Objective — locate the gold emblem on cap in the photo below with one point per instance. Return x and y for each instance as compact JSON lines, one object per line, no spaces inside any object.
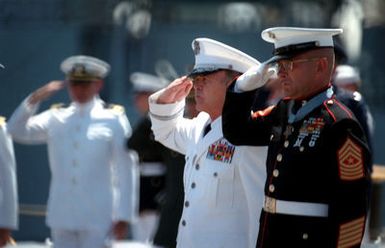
{"x":197,"y":48}
{"x":79,"y":73}
{"x":78,"y":70}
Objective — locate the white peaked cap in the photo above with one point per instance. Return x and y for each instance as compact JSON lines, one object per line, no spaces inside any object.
{"x":81,"y":67}
{"x":143,"y":82}
{"x":212,"y":55}
{"x":289,"y":41}
{"x":346,"y":74}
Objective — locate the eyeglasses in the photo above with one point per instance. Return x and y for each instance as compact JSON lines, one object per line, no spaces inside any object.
{"x":287,"y":64}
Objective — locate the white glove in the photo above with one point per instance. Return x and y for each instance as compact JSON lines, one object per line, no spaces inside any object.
{"x":254,"y":78}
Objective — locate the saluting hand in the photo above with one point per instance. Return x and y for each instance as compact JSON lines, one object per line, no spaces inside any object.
{"x":254,"y":78}
{"x":46,"y":91}
{"x":5,"y":237}
{"x":175,"y":91}
{"x":120,"y":229}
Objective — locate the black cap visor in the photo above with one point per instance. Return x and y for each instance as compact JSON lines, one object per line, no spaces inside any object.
{"x":291,"y":51}
{"x":202,"y":71}
{"x":276,"y":58}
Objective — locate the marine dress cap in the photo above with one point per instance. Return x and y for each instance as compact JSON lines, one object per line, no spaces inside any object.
{"x":290,"y":41}
{"x":143,"y":82}
{"x":346,"y":74}
{"x":212,"y":55}
{"x":84,"y":68}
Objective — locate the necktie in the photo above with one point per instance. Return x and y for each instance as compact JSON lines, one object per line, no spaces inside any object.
{"x":206,"y":130}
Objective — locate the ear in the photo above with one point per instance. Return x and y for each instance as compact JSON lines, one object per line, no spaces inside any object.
{"x":99,"y":85}
{"x":232,"y":77}
{"x":322,"y":65}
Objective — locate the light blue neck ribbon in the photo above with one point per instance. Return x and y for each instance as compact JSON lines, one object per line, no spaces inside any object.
{"x":309,"y":106}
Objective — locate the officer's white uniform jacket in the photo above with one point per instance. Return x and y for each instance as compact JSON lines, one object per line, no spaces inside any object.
{"x":8,"y":185}
{"x":92,"y":181}
{"x":223,"y":184}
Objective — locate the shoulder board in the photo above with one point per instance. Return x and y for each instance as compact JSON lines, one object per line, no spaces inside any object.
{"x":2,"y":120}
{"x":57,"y":106}
{"x":115,"y":108}
{"x":337,"y":110}
{"x":357,"y":96}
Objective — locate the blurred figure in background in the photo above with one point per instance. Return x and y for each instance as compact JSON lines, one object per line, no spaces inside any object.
{"x":347,"y":77}
{"x":92,"y":197}
{"x":161,"y":172}
{"x":348,"y":82}
{"x":347,"y":92}
{"x":8,"y":186}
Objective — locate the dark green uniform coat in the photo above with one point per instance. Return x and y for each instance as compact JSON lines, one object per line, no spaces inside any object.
{"x":321,"y":158}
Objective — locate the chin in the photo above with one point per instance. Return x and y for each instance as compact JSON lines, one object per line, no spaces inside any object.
{"x":286,"y":93}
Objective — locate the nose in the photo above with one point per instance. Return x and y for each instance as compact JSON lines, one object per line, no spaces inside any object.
{"x":281,"y":71}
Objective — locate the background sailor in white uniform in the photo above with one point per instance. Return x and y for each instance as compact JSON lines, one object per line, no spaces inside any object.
{"x":92,"y":194}
{"x":8,"y":186}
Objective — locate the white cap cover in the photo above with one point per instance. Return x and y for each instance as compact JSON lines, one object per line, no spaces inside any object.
{"x":212,"y":55}
{"x":143,"y":82}
{"x":84,"y":68}
{"x":289,"y":41}
{"x":346,"y":74}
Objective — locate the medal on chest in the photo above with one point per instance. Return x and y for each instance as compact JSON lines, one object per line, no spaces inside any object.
{"x":311,"y":127}
{"x":221,"y":151}
{"x":288,"y":131}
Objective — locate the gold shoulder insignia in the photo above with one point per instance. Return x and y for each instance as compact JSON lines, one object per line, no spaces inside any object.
{"x":2,"y":120}
{"x":357,"y":96}
{"x":115,"y":108}
{"x":57,"y":106}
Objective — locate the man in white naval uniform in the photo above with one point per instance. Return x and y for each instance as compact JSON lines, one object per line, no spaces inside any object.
{"x":8,"y":186}
{"x":92,"y":194}
{"x":223,"y":183}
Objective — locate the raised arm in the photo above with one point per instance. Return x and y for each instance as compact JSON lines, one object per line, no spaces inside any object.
{"x":23,"y":125}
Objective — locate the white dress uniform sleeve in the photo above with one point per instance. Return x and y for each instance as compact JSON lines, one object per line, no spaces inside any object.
{"x":126,"y":173}
{"x":27,"y":128}
{"x":168,"y":124}
{"x":129,"y":201}
{"x":8,"y":185}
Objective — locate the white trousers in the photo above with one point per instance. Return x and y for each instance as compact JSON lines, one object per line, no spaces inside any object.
{"x":81,"y":239}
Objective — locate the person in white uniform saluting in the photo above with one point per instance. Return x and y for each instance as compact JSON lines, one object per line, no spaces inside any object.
{"x":223,"y":183}
{"x":8,"y":186}
{"x":92,"y":194}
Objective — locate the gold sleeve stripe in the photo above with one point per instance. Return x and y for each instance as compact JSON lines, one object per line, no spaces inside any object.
{"x":351,"y":233}
{"x":350,"y":161}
